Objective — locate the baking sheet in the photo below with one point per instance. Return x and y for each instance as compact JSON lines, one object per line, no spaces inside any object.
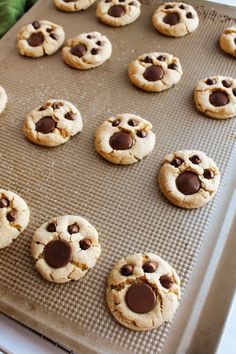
{"x":123,"y":203}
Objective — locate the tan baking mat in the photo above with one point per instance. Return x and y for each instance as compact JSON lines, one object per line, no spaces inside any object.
{"x":123,"y":203}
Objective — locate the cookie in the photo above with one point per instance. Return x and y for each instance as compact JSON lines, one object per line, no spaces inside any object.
{"x":118,"y":12}
{"x":87,"y":50}
{"x":3,"y":99}
{"x":216,"y":97}
{"x":65,"y":248}
{"x":125,"y":139}
{"x":143,"y":291}
{"x":155,"y":71}
{"x":53,"y":123}
{"x":175,"y":19}
{"x":73,"y":5}
{"x":188,"y":178}
{"x":14,"y":217}
{"x":228,"y":40}
{"x":40,"y":38}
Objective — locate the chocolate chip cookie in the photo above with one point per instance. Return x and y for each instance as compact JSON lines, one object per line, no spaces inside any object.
{"x":3,"y":99}
{"x":143,"y":291}
{"x":73,"y":5}
{"x":228,"y":40}
{"x":188,"y":178}
{"x":65,"y":248}
{"x":125,"y":139}
{"x":40,"y":38}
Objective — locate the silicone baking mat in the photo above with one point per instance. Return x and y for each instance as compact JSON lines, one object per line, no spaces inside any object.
{"x":123,"y":203}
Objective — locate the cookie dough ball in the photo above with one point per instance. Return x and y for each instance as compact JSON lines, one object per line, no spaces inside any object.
{"x":40,"y":38}
{"x":189,"y":179}
{"x":87,"y":50}
{"x":14,"y":217}
{"x":53,"y":123}
{"x":118,"y":12}
{"x":125,"y":139}
{"x":175,"y":19}
{"x":228,"y":40}
{"x":73,"y":5}
{"x":215,"y":96}
{"x":155,"y":71}
{"x":3,"y":99}
{"x":65,"y":248}
{"x":143,"y":291}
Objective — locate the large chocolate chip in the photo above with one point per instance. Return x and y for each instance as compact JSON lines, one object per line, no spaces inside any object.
{"x":189,"y":15}
{"x":73,"y":229}
{"x":188,"y":183}
{"x":70,"y":116}
{"x":150,"y":267}
{"x":210,"y":82}
{"x":127,"y":270}
{"x":36,"y":39}
{"x":226,"y":83}
{"x":195,"y":159}
{"x":51,"y":227}
{"x":147,"y":59}
{"x":36,"y":24}
{"x":85,"y":243}
{"x":171,"y":18}
{"x":140,"y":298}
{"x":166,"y":281}
{"x":4,"y":203}
{"x":176,"y":162}
{"x":208,"y":174}
{"x":121,"y":141}
{"x":57,"y":253}
{"x":133,"y":122}
{"x":12,"y":215}
{"x":45,"y":125}
{"x":153,"y":73}
{"x":116,"y":123}
{"x":172,"y":66}
{"x":141,"y":133}
{"x":79,"y":50}
{"x":116,"y":11}
{"x":218,"y":98}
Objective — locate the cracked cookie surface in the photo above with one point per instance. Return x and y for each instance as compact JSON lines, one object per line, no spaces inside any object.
{"x":40,"y":38}
{"x":53,"y":123}
{"x":118,"y":12}
{"x":155,"y":71}
{"x":175,"y":19}
{"x":14,"y":217}
{"x":228,"y":40}
{"x":143,"y":291}
{"x":87,"y":50}
{"x":124,"y":139}
{"x":65,"y":248}
{"x":73,"y":5}
{"x":215,"y":96}
{"x":188,"y":178}
{"x":3,"y":99}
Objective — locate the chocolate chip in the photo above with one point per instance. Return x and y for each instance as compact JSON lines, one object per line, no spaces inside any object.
{"x":73,"y":229}
{"x":45,"y":125}
{"x":69,"y":0}
{"x":89,"y":36}
{"x":150,"y":267}
{"x":49,"y":30}
{"x":161,"y":58}
{"x":208,"y":174}
{"x":176,"y":162}
{"x":57,"y":105}
{"x":195,"y":159}
{"x":94,"y":51}
{"x":36,"y":24}
{"x":115,"y":123}
{"x":12,"y":215}
{"x":166,"y":281}
{"x":210,"y":82}
{"x":79,"y":50}
{"x":121,"y":141}
{"x":182,"y":7}
{"x":107,"y":0}
{"x":234,"y":91}
{"x":153,"y":73}
{"x":140,"y":298}
{"x":189,"y":15}
{"x":171,"y":18}
{"x":127,"y":270}
{"x":85,"y":243}
{"x":188,"y":183}
{"x":147,"y":59}
{"x":51,"y":227}
{"x":218,"y":98}
{"x":116,"y":11}
{"x":99,"y":43}
{"x":235,"y":41}
{"x":172,"y":66}
{"x":169,"y":7}
{"x":70,"y":116}
{"x":226,"y":83}
{"x":122,"y":0}
{"x":141,"y":133}
{"x":57,"y":253}
{"x":132,"y":3}
{"x":133,"y":122}
{"x":54,"y":36}
{"x":36,"y":39}
{"x":43,"y":108}
{"x":4,"y":203}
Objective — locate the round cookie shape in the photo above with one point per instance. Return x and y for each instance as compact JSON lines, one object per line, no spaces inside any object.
{"x":125,"y":139}
{"x":73,"y":5}
{"x":87,"y":50}
{"x":118,"y":12}
{"x":143,"y":298}
{"x":14,"y":217}
{"x":215,"y":96}
{"x":65,"y":248}
{"x":175,"y":19}
{"x":3,"y":99}
{"x":188,"y":178}
{"x":155,"y":71}
{"x":40,"y":38}
{"x":228,"y":40}
{"x":53,"y":123}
